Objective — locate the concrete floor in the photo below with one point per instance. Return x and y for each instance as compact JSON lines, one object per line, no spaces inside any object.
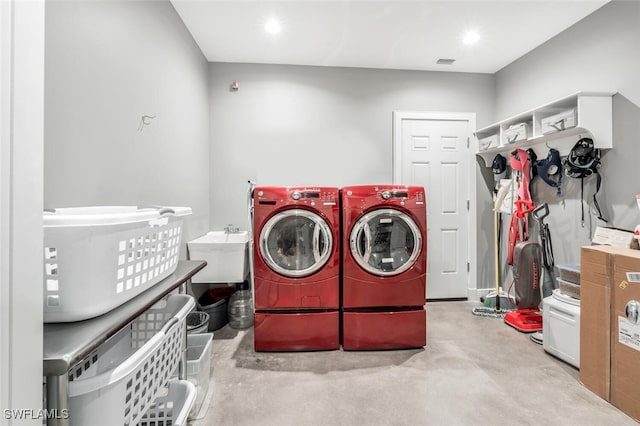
{"x":473,"y":371}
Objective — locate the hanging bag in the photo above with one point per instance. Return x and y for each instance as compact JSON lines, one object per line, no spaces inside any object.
{"x":550,"y":170}
{"x":504,"y":198}
{"x":583,"y":161}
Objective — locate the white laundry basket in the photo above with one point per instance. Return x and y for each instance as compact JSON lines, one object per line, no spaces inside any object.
{"x":171,"y":407}
{"x":97,"y":258}
{"x":118,"y":382}
{"x":199,"y":348}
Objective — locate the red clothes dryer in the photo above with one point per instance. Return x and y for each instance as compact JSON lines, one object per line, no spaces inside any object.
{"x":296,"y":268}
{"x":384,"y":267}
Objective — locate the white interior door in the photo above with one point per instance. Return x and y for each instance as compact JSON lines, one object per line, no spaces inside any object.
{"x":431,"y":150}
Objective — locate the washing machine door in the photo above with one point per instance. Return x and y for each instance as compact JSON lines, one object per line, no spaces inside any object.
{"x":385,"y":242}
{"x":296,"y":243}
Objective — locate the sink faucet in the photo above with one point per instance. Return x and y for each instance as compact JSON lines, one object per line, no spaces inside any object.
{"x":230,"y":229}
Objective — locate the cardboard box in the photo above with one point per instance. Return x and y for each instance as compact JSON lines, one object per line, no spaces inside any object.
{"x":609,"y":343}
{"x":614,"y":237}
{"x":625,"y":335}
{"x":595,"y":320}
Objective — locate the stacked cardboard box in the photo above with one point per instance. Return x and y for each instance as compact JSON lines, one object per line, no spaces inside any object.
{"x":625,"y":336}
{"x":609,"y":344}
{"x":595,"y":319}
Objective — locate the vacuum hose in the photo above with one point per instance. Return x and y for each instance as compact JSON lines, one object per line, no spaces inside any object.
{"x":549,"y":282}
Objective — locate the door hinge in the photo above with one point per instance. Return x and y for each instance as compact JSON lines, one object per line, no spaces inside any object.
{"x":467,"y":142}
{"x":468,"y":205}
{"x":468,"y":266}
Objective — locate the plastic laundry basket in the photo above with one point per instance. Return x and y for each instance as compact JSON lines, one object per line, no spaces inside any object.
{"x":172,"y":406}
{"x":199,"y":348}
{"x":96,"y":258}
{"x":116,"y":384}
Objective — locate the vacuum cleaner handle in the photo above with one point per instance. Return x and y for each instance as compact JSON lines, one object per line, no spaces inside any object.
{"x":536,"y":212}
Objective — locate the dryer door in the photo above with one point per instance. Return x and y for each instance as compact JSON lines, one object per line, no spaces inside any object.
{"x":385,"y":242}
{"x":296,"y":243}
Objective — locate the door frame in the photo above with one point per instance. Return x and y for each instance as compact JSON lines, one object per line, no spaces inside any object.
{"x":472,"y":253}
{"x":21,"y":199}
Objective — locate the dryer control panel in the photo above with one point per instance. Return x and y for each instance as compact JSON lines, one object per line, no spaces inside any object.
{"x":297,"y":195}
{"x":408,"y":196}
{"x":388,"y":194}
{"x":313,"y":197}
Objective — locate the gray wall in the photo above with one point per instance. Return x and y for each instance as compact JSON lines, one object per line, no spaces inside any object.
{"x":600,"y":53}
{"x":294,"y":125}
{"x":108,"y":63}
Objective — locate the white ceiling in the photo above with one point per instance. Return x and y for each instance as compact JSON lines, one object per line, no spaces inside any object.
{"x":410,"y":35}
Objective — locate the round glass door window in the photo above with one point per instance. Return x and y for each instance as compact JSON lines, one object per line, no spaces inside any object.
{"x":296,"y":243}
{"x":385,"y":242}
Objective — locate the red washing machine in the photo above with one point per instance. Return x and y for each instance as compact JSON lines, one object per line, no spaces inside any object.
{"x":384,"y":267}
{"x":296,"y":268}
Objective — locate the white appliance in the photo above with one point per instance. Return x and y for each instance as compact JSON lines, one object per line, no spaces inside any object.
{"x":561,"y":327}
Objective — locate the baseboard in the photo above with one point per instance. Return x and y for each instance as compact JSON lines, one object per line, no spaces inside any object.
{"x":476,"y":293}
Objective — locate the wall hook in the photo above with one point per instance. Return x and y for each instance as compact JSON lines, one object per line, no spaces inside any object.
{"x":145,"y":120}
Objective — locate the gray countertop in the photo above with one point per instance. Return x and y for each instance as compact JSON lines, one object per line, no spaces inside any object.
{"x":65,"y":344}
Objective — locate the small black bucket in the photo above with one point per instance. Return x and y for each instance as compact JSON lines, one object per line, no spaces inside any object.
{"x":197,"y":322}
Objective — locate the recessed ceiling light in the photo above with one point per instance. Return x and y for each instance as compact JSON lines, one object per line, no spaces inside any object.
{"x":471,"y":37}
{"x":272,"y":26}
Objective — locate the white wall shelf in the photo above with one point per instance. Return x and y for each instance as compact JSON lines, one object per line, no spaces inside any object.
{"x":586,"y":114}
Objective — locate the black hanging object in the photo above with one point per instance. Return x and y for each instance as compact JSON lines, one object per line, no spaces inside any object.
{"x":583,"y":161}
{"x":531,"y":155}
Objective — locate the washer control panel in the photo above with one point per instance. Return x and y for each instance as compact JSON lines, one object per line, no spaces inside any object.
{"x":297,"y":195}
{"x":389,"y":194}
{"x":314,"y":197}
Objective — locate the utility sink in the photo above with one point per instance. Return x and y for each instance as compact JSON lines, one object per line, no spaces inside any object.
{"x":226,"y":254}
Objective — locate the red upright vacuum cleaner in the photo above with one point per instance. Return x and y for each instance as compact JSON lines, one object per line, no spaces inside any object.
{"x":524,"y":256}
{"x":527,"y":269}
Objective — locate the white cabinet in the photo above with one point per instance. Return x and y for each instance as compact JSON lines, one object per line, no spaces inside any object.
{"x":559,"y":124}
